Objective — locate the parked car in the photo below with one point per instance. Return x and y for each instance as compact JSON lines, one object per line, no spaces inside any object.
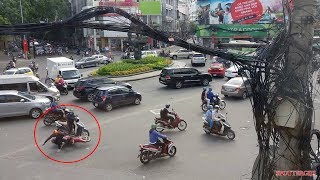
{"x":108,"y":97}
{"x":102,"y":59}
{"x":149,"y":53}
{"x":178,"y":77}
{"x":181,"y":53}
{"x":87,"y":62}
{"x":237,"y":87}
{"x":22,"y":70}
{"x":216,"y":69}
{"x":198,"y":58}
{"x":85,"y":87}
{"x":15,"y":103}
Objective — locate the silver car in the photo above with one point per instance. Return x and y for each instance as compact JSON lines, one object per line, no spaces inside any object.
{"x":87,"y":62}
{"x":15,"y":103}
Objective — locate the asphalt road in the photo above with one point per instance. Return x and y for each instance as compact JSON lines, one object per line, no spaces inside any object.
{"x":199,"y":156}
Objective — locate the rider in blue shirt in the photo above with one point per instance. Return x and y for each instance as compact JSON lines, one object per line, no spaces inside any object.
{"x":211,"y":96}
{"x":209,"y":118}
{"x":154,"y":136}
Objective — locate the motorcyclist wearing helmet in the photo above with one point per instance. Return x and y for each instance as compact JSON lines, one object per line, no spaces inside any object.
{"x":154,"y":137}
{"x":204,"y":96}
{"x":71,"y":121}
{"x":59,"y":140}
{"x":56,"y":109}
{"x":211,"y":96}
{"x":165,"y":114}
{"x":59,"y":82}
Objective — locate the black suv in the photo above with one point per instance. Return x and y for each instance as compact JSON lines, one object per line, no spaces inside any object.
{"x":177,"y":77}
{"x":108,"y":97}
{"x":85,"y":87}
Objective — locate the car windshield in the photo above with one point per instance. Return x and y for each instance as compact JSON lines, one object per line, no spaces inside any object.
{"x":198,"y":55}
{"x":9,"y":72}
{"x":235,"y":81}
{"x":27,"y":95}
{"x":70,"y":74}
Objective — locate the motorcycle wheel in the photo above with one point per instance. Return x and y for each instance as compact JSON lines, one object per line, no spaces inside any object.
{"x":204,"y":107}
{"x":231,"y":135}
{"x":144,"y":158}
{"x":182,"y":125}
{"x":160,"y":126}
{"x":222,"y":105}
{"x":85,"y":135}
{"x":47,"y":121}
{"x":172,"y":151}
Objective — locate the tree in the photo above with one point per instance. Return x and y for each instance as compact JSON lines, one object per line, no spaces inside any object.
{"x":35,"y":11}
{"x":4,"y":21}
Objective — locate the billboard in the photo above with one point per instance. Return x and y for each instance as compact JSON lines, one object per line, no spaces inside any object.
{"x":240,"y":11}
{"x":150,"y":7}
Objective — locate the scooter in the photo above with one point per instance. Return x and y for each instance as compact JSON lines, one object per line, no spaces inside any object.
{"x":150,"y":152}
{"x":216,"y":130}
{"x":63,"y":89}
{"x":164,"y":124}
{"x":81,"y":129}
{"x":221,"y":103}
{"x":51,"y":117}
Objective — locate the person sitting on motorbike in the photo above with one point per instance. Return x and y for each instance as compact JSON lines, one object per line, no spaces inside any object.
{"x":209,"y":116}
{"x":59,"y":82}
{"x":211,"y":96}
{"x":216,"y":118}
{"x":165,"y":114}
{"x":59,"y":140}
{"x":71,"y":121}
{"x":204,"y":96}
{"x":56,"y":109}
{"x":154,"y":137}
{"x":12,"y":64}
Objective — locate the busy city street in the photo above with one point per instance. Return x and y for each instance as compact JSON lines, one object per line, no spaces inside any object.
{"x":124,"y":128}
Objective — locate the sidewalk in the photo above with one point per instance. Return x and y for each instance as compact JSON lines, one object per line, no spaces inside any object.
{"x":147,"y":75}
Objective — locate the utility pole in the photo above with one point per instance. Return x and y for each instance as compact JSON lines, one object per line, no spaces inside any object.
{"x":292,"y":117}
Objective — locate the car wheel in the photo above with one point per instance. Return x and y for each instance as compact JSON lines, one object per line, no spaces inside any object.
{"x":108,"y":107}
{"x":174,"y":57}
{"x":90,"y":97}
{"x":244,"y":95}
{"x":178,"y":84}
{"x":35,"y":113}
{"x":137,"y":101}
{"x":205,"y":82}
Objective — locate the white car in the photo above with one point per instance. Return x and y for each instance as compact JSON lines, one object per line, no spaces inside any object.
{"x":233,"y":71}
{"x":181,"y":53}
{"x":198,"y":58}
{"x":149,"y":53}
{"x":102,"y":59}
{"x":22,"y":70}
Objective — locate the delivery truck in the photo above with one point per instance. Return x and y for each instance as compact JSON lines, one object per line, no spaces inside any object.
{"x":65,"y":67}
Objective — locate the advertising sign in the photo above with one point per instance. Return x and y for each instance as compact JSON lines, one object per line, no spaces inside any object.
{"x":240,"y":11}
{"x":150,"y":7}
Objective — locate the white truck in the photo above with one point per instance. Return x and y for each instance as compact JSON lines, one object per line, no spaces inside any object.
{"x":65,"y":67}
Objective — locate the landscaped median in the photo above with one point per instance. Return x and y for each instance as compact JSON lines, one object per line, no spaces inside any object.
{"x":131,"y":67}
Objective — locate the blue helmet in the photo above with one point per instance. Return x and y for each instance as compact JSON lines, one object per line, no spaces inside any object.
{"x":210,"y":107}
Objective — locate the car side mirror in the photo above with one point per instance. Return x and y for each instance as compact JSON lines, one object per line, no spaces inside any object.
{"x":22,"y":100}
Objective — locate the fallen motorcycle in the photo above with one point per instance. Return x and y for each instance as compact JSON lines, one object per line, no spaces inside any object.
{"x":81,"y":130}
{"x":52,"y":116}
{"x":227,"y":131}
{"x":221,"y":103}
{"x":150,"y":152}
{"x":177,"y":123}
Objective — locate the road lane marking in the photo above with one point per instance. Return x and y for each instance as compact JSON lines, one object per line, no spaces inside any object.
{"x":125,"y":116}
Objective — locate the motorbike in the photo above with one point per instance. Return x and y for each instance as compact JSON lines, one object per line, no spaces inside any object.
{"x":164,"y":124}
{"x":63,"y":89}
{"x":216,"y":130}
{"x":51,"y":117}
{"x":81,"y":129}
{"x":150,"y":152}
{"x":221,"y":103}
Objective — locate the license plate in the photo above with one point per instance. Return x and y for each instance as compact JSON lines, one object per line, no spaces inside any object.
{"x":214,"y":74}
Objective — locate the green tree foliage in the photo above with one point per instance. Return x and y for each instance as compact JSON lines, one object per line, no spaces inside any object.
{"x":34,"y":11}
{"x":4,"y":21}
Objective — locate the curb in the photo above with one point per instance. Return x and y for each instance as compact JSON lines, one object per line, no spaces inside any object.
{"x":137,"y":79}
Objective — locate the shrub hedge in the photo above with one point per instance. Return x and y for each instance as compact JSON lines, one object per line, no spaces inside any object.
{"x":129,"y":66}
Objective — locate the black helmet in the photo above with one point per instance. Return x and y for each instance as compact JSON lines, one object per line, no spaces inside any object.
{"x":167,"y":105}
